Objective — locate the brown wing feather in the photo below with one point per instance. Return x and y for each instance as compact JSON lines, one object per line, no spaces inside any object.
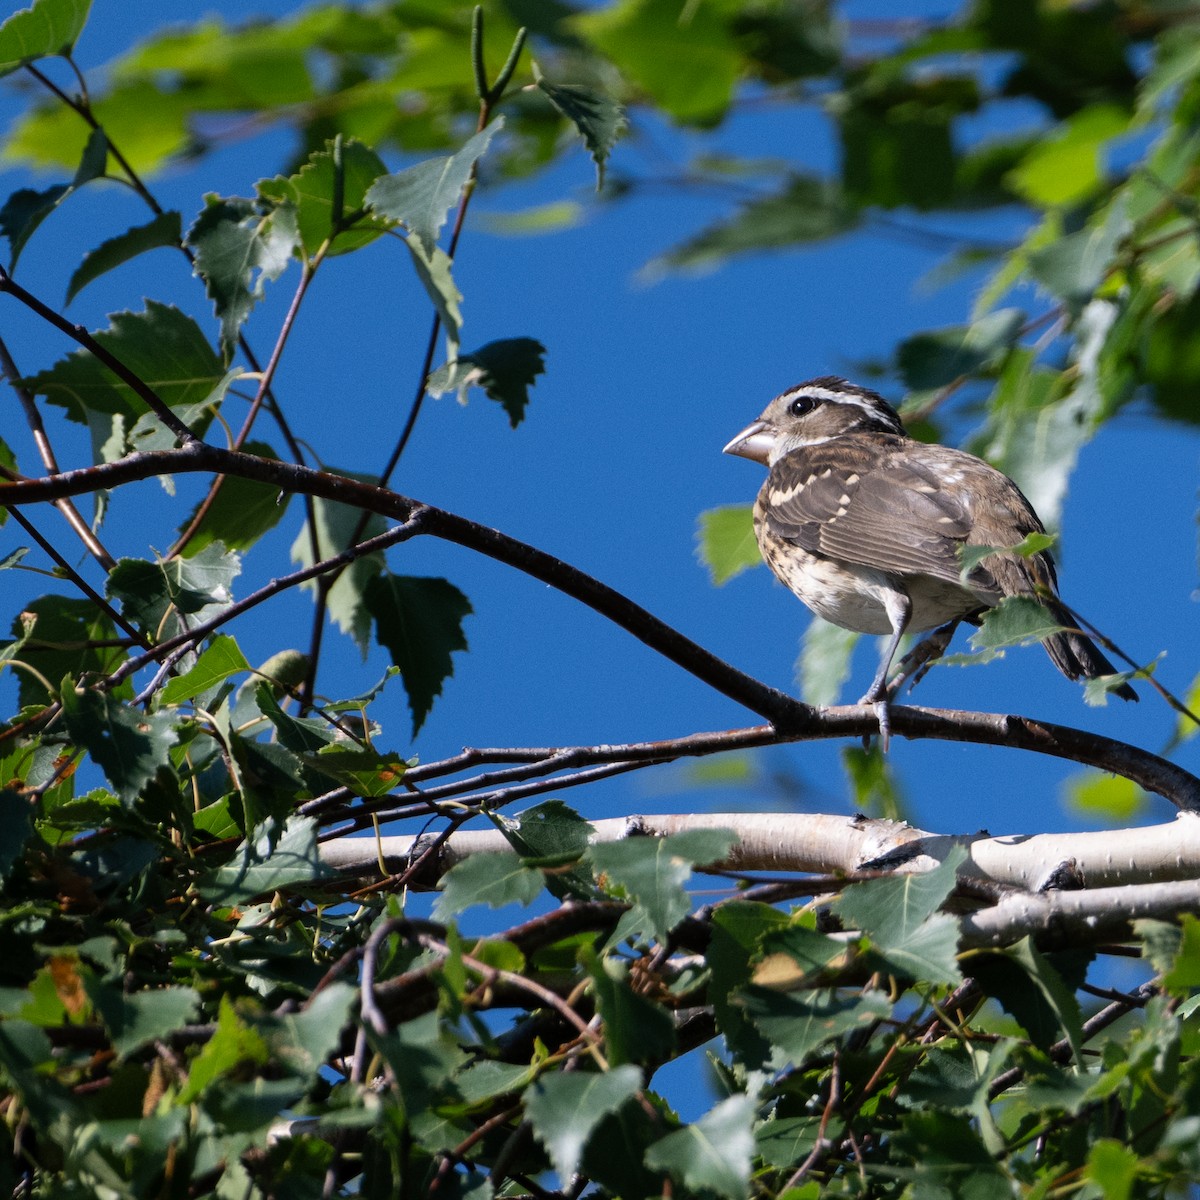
{"x":860,"y":503}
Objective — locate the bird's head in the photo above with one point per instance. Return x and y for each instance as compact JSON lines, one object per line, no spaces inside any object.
{"x":814,"y":412}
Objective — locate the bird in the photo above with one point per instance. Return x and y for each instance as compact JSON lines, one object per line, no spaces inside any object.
{"x":865,"y":525}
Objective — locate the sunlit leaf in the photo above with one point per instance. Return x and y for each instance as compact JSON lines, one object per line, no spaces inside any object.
{"x":219,"y":661}
{"x":420,"y":197}
{"x":274,"y":859}
{"x":714,"y":1154}
{"x":47,"y":27}
{"x":725,"y":541}
{"x":239,"y":246}
{"x":564,"y":1109}
{"x":689,"y":66}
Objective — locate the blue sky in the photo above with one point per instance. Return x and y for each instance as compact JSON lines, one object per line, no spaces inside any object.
{"x":620,"y":452}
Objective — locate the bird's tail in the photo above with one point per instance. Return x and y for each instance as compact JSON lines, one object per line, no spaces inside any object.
{"x":1077,"y":656}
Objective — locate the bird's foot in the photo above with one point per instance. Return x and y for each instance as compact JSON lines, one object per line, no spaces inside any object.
{"x":915,"y":665}
{"x":882,"y":715}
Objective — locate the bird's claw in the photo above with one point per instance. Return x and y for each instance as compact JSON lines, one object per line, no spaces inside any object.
{"x":884,"y":717}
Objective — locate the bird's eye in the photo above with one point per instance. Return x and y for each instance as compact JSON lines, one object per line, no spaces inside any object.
{"x":801,"y":406}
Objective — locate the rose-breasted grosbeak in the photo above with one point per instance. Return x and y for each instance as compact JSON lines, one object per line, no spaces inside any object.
{"x":865,"y":524}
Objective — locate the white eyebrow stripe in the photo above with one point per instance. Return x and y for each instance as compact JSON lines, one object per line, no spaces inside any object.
{"x":837,"y":396}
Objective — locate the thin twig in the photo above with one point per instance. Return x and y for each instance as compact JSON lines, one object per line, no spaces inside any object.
{"x":79,"y":334}
{"x":33,"y":418}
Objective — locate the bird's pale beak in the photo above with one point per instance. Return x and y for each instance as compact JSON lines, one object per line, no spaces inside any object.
{"x":754,"y":442}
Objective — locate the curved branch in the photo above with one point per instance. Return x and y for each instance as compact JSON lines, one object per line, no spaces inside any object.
{"x":790,"y":719}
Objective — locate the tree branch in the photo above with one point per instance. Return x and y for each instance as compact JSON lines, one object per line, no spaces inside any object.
{"x":791,"y":719}
{"x":832,"y":844}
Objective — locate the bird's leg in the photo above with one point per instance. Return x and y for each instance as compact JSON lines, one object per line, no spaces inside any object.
{"x":916,"y":663}
{"x":898,"y":607}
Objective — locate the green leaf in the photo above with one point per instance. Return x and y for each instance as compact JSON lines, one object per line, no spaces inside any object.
{"x":239,"y":245}
{"x":419,"y":621}
{"x":1109,"y":798}
{"x":57,"y":637}
{"x":874,"y":788}
{"x":491,"y":879}
{"x":25,"y":210}
{"x":504,"y":369}
{"x":541,"y":218}
{"x":565,"y":1109}
{"x":148,"y":124}
{"x":325,"y":193}
{"x":653,"y":872}
{"x":1073,"y":267}
{"x":172,"y":595}
{"x":232,"y":1044}
{"x":738,"y":928}
{"x":714,"y":1154}
{"x":636,"y":1030}
{"x":900,"y":914}
{"x":136,"y":1018}
{"x":364,"y":771}
{"x":163,"y":348}
{"x":1015,"y":621}
{"x":799,"y":1023}
{"x":796,"y":955}
{"x":807,"y":209}
{"x":553,"y":836}
{"x":599,"y":119}
{"x":688,"y":66}
{"x":271,"y":862}
{"x":1033,"y":990}
{"x":130,"y":746}
{"x":551,"y":833}
{"x":934,"y":359}
{"x":825,"y":658}
{"x":300,"y":735}
{"x":1035,"y":431}
{"x":301,"y":1042}
{"x":346,"y":600}
{"x":893,"y":907}
{"x":433,"y":270}
{"x":1182,"y":976}
{"x":896,"y":139}
{"x":163,"y":230}
{"x":47,"y":27}
{"x":1032,"y":543}
{"x":420,"y":197}
{"x":1113,"y":1167}
{"x":1169,"y":356}
{"x":218,"y":662}
{"x":1068,"y":167}
{"x":1187,"y":727}
{"x":725,"y":541}
{"x":243,"y":511}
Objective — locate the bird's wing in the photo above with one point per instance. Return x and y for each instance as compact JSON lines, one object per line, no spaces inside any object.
{"x":862,"y":503}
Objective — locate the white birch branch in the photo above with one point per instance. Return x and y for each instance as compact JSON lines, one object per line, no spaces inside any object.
{"x":824,"y":844}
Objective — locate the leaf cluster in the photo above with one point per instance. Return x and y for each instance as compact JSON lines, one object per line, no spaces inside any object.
{"x":193,"y":1001}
